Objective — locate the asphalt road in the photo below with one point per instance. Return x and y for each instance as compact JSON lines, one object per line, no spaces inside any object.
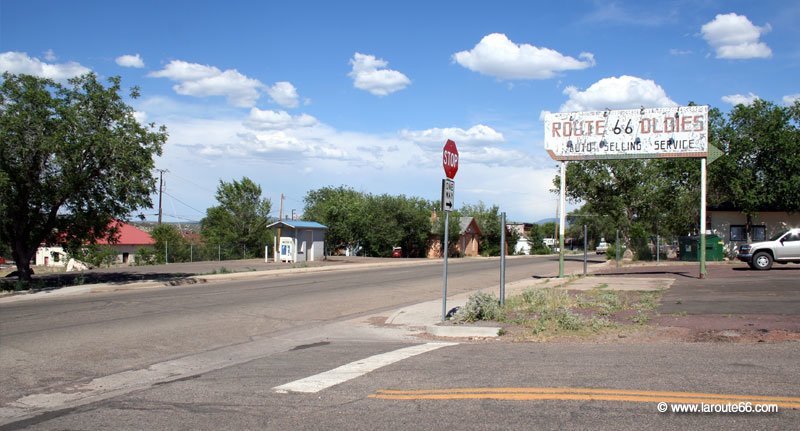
{"x":241,"y":397}
{"x":48,"y":344}
{"x":209,"y":356}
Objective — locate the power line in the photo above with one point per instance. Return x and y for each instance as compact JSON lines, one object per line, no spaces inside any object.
{"x":184,"y":203}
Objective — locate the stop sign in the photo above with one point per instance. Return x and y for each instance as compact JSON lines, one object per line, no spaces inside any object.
{"x":450,"y":159}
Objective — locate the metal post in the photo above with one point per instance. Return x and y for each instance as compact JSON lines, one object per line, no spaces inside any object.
{"x":191,"y":252}
{"x":616,"y":246}
{"x":444,"y":276}
{"x":658,"y":249}
{"x":585,"y":252}
{"x":219,"y":252}
{"x":166,"y":252}
{"x":703,"y":218}
{"x":562,"y":217}
{"x":502,"y":258}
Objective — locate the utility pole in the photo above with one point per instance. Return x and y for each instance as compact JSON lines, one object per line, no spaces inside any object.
{"x":160,"y":191}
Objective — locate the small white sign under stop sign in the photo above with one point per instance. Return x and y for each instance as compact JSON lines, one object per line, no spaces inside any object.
{"x":448,"y":194}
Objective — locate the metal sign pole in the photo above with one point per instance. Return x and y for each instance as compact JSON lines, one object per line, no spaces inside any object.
{"x":585,"y":257}
{"x":562,"y":217}
{"x":703,"y":218}
{"x":444,"y":276}
{"x":502,"y":258}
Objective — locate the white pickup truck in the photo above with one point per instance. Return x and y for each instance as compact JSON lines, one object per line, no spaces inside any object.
{"x":782,"y":248}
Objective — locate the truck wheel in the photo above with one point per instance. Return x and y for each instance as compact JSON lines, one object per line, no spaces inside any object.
{"x":762,"y":261}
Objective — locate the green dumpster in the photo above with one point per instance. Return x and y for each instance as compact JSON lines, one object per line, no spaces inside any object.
{"x":689,"y":246}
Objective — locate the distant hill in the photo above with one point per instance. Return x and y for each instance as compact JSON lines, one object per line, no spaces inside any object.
{"x":547,"y":220}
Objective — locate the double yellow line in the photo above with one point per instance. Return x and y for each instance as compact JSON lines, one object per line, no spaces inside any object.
{"x":582,"y":394}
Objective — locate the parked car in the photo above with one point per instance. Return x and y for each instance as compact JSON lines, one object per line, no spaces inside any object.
{"x":397,"y":252}
{"x":601,"y":248}
{"x":782,"y":248}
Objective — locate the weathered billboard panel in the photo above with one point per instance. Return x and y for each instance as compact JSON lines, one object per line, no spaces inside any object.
{"x":627,"y":134}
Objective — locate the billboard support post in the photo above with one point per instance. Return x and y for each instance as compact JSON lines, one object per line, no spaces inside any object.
{"x":562,"y":217}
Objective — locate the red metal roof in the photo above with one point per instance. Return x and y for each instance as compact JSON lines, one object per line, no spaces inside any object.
{"x":129,"y":235}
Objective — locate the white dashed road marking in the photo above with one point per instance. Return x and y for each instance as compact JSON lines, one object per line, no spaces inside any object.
{"x":355,"y":369}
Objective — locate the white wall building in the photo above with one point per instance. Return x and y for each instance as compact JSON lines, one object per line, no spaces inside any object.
{"x":300,"y":241}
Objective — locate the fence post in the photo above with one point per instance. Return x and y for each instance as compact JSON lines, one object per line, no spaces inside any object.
{"x":616,"y":244}
{"x":219,"y":252}
{"x":166,"y":252}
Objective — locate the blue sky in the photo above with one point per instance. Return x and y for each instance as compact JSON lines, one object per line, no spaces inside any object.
{"x":301,"y":95}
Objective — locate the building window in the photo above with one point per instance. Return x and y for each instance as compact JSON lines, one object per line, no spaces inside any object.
{"x":738,"y":233}
{"x":758,"y":233}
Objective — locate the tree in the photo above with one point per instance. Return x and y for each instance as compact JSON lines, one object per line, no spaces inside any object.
{"x":342,"y":210}
{"x":72,"y":159}
{"x":169,"y":240}
{"x":536,"y":237}
{"x":638,"y":197}
{"x":761,"y":163}
{"x":397,"y":221}
{"x":241,"y":217}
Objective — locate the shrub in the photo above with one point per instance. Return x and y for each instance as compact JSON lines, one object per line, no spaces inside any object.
{"x":480,"y":306}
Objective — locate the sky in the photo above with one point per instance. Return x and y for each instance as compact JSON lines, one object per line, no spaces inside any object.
{"x":299,"y":95}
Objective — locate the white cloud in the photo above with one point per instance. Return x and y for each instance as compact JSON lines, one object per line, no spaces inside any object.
{"x":140,"y":116}
{"x":474,"y":135}
{"x":370,"y":74}
{"x":50,"y":55}
{"x":624,"y":92}
{"x":740,"y":99}
{"x":679,"y":52}
{"x":497,"y":56}
{"x":20,"y":62}
{"x":789,"y":99}
{"x":277,"y":120}
{"x":129,"y":60}
{"x":284,"y":94}
{"x":202,"y":80}
{"x":735,"y":37}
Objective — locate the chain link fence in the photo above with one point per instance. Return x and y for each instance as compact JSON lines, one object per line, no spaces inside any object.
{"x":183,"y":252}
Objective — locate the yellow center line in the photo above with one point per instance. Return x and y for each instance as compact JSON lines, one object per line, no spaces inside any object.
{"x":582,"y":394}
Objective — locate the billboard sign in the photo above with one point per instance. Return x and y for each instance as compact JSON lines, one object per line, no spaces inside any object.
{"x":627,"y":134}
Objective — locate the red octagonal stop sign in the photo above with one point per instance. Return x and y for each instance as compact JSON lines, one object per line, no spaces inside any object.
{"x":450,"y":159}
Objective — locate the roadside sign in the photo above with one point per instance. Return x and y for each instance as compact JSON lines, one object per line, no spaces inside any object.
{"x":645,"y":133}
{"x":448,"y":194}
{"x":450,"y":159}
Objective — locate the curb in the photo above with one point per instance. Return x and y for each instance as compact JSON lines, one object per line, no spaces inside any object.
{"x":463,"y":331}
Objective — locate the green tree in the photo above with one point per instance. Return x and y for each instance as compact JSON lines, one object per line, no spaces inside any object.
{"x":342,"y":210}
{"x":170,"y":245}
{"x":240,"y":219}
{"x":72,"y":158}
{"x":761,"y":163}
{"x":638,"y":197}
{"x":536,"y":237}
{"x":397,"y":221}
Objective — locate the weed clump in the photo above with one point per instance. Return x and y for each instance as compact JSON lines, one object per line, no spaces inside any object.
{"x":480,"y":306}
